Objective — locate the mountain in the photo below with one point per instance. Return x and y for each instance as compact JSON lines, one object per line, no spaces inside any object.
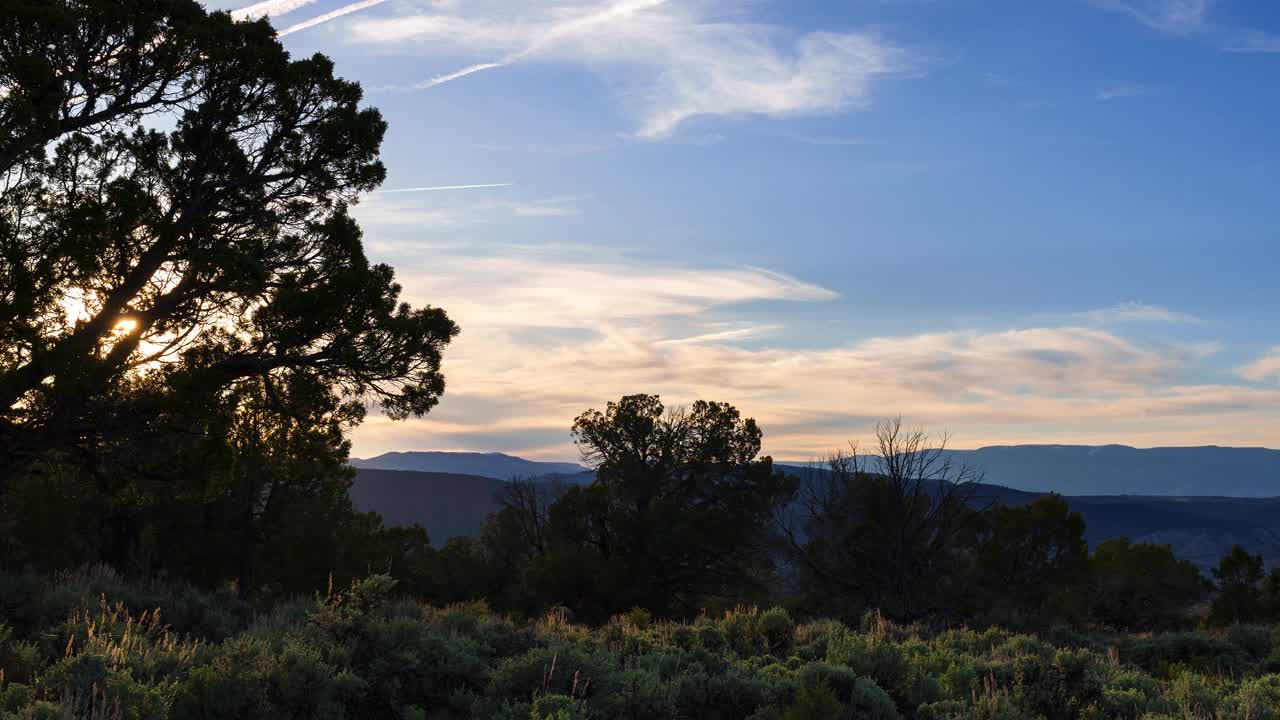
{"x":1064,"y":469}
{"x":490,"y":465}
{"x":446,"y":504}
{"x":1123,"y":470}
{"x":1199,"y":528}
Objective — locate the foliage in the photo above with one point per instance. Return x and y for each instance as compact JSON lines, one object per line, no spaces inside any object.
{"x":1032,"y":564}
{"x":1240,"y":595}
{"x":363,"y":651}
{"x":890,"y":536}
{"x":675,"y":520}
{"x":189,"y":325}
{"x":1141,"y":586}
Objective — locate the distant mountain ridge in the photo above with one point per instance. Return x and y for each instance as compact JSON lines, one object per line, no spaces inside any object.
{"x":1064,"y":469}
{"x":1200,"y":526}
{"x":1123,"y":470}
{"x":491,"y":465}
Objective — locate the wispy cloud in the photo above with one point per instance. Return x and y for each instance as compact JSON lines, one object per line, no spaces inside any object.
{"x":548,"y":334}
{"x":333,"y":15}
{"x":1000,"y":80}
{"x":428,"y":210}
{"x":1130,"y":312}
{"x":1264,"y":368}
{"x":669,"y":61}
{"x":1172,"y":16}
{"x":565,"y":149}
{"x":720,"y":336}
{"x":824,"y":139}
{"x":434,"y":188}
{"x":449,"y":77}
{"x":549,"y":207}
{"x":269,"y":8}
{"x":1193,"y":18}
{"x":1124,"y":90}
{"x":1251,"y":41}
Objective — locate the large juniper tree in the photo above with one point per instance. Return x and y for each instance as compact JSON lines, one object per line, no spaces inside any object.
{"x":175,"y":199}
{"x":677,"y":519}
{"x":175,"y":243}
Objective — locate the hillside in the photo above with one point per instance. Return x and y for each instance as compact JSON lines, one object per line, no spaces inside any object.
{"x":1200,"y":529}
{"x":446,"y":504}
{"x":1065,"y":469}
{"x":1123,"y":470}
{"x":490,"y":465}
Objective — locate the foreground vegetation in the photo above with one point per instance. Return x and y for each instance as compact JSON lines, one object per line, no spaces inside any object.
{"x":91,"y":645}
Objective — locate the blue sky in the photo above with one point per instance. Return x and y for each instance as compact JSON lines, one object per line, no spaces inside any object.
{"x":1017,"y":221}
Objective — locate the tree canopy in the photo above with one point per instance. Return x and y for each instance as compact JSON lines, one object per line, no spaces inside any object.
{"x":174,"y":222}
{"x":189,"y":325}
{"x":676,"y":518}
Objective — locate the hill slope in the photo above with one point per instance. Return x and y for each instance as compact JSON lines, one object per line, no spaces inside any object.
{"x":1123,"y":470}
{"x":490,"y":465}
{"x":446,"y":504}
{"x":1201,"y":529}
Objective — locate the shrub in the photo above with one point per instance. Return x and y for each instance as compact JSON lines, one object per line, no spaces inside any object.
{"x":1192,"y":696}
{"x":1166,"y":653}
{"x":778,"y":630}
{"x":839,"y":680}
{"x":364,"y":653}
{"x":19,"y":659}
{"x":638,"y":618}
{"x":1255,"y":640}
{"x":868,"y":702}
{"x":1256,"y":699}
{"x":814,"y":703}
{"x":558,"y":707}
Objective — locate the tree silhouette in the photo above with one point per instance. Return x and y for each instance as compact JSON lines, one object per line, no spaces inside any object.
{"x":1032,"y":564}
{"x":174,"y":215}
{"x":677,"y":515}
{"x":1239,"y":577}
{"x":888,"y":533}
{"x":1143,"y":586}
{"x":189,"y":325}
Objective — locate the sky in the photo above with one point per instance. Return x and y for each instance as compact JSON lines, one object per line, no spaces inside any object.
{"x":1013,"y":221}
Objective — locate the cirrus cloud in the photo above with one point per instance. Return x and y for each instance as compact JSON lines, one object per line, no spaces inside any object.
{"x":671,"y":61}
{"x":1264,"y":368}
{"x":1193,"y":18}
{"x":548,"y":334}
{"x":1127,"y":312}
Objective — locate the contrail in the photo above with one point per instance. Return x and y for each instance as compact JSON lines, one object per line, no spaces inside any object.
{"x":269,"y":7}
{"x":346,"y":9}
{"x":557,"y":31}
{"x":443,"y":187}
{"x":441,"y":79}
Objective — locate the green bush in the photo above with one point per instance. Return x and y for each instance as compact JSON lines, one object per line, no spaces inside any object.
{"x":867,"y":701}
{"x":558,"y":707}
{"x":1256,"y":699}
{"x":778,"y":630}
{"x":814,"y":703}
{"x":1166,"y":654}
{"x":361,"y":652}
